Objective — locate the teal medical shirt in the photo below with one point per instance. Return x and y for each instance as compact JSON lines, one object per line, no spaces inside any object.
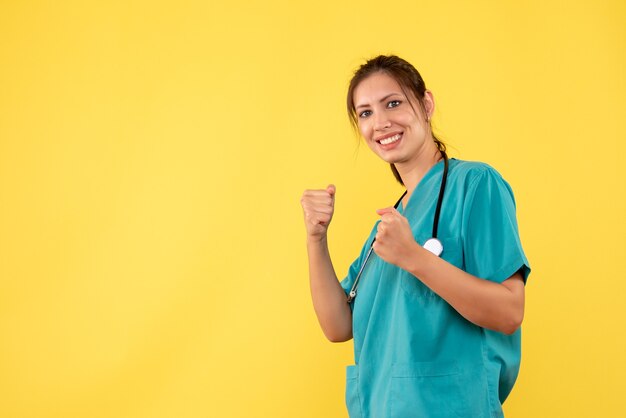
{"x":415,"y":355}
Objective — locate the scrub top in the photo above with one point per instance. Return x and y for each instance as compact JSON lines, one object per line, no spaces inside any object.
{"x":415,"y":356}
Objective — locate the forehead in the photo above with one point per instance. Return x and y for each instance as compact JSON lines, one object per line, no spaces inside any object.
{"x":375,"y":87}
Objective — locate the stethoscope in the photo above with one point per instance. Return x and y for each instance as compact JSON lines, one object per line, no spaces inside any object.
{"x":432,"y":244}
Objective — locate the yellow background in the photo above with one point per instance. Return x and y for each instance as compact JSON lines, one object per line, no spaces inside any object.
{"x":152,"y":158}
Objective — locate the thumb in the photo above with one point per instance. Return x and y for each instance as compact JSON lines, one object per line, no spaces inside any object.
{"x":383,"y":211}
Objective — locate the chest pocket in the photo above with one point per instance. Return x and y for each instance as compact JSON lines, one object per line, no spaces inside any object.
{"x":452,"y":253}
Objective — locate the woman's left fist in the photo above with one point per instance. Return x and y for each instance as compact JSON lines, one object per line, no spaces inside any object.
{"x":394,"y":238}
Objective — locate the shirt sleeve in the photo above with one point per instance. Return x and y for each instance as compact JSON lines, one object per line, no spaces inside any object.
{"x":492,"y":248}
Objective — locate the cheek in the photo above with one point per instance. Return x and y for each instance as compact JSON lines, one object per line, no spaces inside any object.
{"x":365,"y":130}
{"x":410,"y":120}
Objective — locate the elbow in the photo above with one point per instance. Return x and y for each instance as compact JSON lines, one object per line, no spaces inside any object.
{"x":512,"y":324}
{"x":338,"y":328}
{"x":338,"y":336}
{"x":339,"y":340}
{"x":509,"y":330}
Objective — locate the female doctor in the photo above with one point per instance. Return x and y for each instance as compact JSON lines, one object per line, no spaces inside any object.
{"x":435,"y":300}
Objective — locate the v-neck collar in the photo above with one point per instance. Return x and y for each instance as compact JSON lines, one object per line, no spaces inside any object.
{"x":432,"y":171}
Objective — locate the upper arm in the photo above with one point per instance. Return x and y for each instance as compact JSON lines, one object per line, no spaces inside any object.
{"x":515,"y":284}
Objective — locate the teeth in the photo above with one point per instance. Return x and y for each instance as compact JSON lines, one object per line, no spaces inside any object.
{"x":389,"y":140}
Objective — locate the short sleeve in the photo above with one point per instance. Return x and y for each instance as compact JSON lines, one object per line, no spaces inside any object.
{"x":492,"y":248}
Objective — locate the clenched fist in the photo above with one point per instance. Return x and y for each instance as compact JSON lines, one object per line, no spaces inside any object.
{"x":394,"y":238}
{"x":318,"y":207}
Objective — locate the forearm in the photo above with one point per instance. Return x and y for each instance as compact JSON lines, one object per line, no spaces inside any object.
{"x":329,"y":298}
{"x":491,"y":305}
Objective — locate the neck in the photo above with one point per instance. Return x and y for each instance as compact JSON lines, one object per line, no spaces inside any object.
{"x":412,"y":172}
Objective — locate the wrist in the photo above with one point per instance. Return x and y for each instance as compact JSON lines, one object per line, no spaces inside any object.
{"x":415,"y":259}
{"x":316,"y":239}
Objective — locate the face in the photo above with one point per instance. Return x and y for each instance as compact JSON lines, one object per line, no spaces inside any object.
{"x":392,"y":124}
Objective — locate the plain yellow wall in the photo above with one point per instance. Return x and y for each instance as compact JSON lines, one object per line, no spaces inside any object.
{"x":152,"y":157}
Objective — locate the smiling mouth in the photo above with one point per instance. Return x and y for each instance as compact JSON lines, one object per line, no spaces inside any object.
{"x":390,"y":140}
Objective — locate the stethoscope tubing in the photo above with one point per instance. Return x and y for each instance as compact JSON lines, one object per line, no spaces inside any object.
{"x":442,"y":188}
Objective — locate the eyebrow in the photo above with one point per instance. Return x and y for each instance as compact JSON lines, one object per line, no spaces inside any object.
{"x":381,"y":100}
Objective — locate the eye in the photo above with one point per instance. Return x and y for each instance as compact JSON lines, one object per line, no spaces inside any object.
{"x":365,"y":114}
{"x":393,"y":103}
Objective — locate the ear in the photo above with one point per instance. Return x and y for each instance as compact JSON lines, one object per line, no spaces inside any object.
{"x":429,"y":104}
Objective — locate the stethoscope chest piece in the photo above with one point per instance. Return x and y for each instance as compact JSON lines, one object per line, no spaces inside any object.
{"x":434,"y":246}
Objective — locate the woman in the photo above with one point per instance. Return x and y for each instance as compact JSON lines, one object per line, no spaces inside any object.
{"x":436,"y":330}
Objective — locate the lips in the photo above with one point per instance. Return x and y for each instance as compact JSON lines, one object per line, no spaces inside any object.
{"x":389,"y":140}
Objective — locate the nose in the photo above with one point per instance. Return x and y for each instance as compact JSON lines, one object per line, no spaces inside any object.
{"x":381,"y":121}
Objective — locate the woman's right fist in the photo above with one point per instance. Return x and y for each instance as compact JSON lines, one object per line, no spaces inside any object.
{"x":318,"y":207}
